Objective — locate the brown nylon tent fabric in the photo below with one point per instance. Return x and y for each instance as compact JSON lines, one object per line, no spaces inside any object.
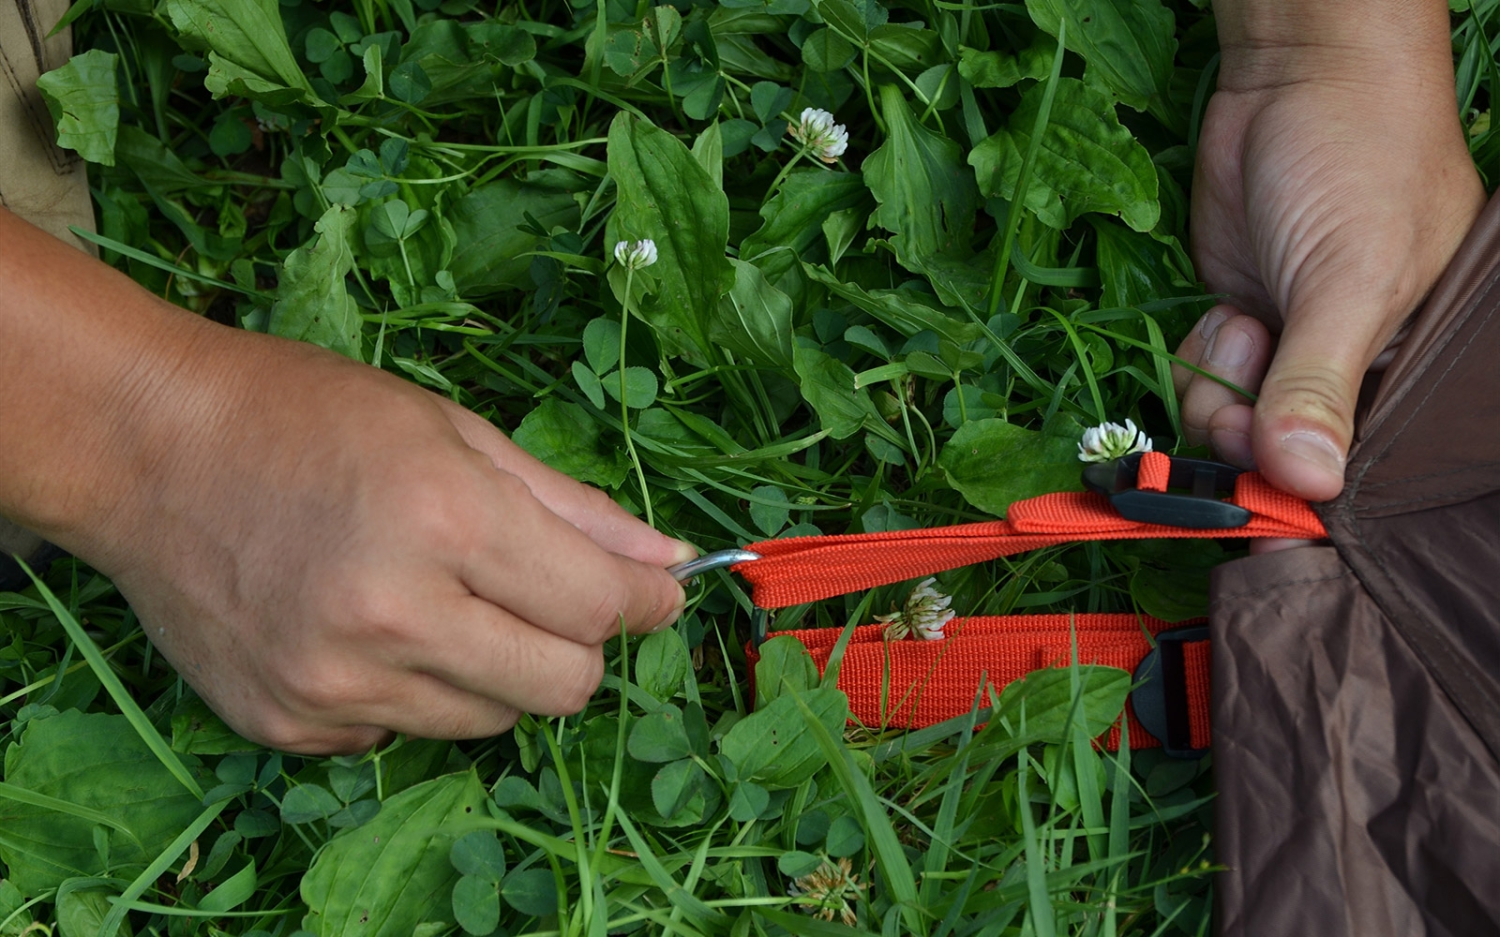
{"x":1356,"y":714}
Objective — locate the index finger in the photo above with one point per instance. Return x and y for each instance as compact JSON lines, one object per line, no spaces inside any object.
{"x":547,"y":572}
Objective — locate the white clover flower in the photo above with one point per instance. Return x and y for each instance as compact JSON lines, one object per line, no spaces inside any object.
{"x":925,"y":615}
{"x":828,"y":890}
{"x":816,"y":130}
{"x":1109,"y":441}
{"x":633,"y":255}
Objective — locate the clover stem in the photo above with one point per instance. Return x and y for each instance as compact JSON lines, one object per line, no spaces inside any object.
{"x":635,"y":460}
{"x":785,"y":170}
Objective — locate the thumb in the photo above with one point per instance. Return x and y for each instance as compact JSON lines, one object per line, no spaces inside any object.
{"x":1304,"y":419}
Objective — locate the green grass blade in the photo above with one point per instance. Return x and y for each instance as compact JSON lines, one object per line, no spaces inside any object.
{"x":31,"y":798}
{"x":680,"y":897}
{"x":1043,"y":917}
{"x":942,"y":831}
{"x":895,"y":871}
{"x":1023,"y":181}
{"x":126,"y":901}
{"x":117,"y":691}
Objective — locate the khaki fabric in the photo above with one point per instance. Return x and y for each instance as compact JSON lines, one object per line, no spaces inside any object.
{"x":38,"y":181}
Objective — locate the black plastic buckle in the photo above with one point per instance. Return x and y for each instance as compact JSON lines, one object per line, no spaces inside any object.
{"x":1196,"y":503}
{"x":1160,"y":696}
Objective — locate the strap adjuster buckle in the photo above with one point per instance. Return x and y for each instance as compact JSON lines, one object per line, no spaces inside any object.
{"x":1197,"y":507}
{"x":1160,"y":697}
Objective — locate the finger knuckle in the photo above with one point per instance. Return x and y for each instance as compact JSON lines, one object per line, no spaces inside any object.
{"x":577,"y":688}
{"x":610,"y":603}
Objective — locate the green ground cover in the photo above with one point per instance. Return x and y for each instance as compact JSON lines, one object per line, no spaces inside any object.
{"x":913,"y":334}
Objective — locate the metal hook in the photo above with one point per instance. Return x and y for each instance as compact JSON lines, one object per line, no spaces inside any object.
{"x":719,"y":559}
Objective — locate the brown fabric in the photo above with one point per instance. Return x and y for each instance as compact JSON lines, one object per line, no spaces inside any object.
{"x":1357,"y":686}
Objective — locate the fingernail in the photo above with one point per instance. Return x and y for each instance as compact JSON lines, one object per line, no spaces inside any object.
{"x":1315,"y":449}
{"x":1210,"y":323}
{"x":682,"y":552}
{"x":1229,"y":349}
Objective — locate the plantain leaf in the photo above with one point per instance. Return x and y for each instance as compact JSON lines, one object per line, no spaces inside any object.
{"x":993,"y":463}
{"x":84,"y":99}
{"x":666,"y":195}
{"x":1128,"y":43}
{"x":312,"y":302}
{"x":248,"y":50}
{"x":928,"y":202}
{"x":1087,"y":161}
{"x":392,"y":874}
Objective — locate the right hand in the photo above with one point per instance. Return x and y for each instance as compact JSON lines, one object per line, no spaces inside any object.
{"x":1333,"y":186}
{"x":329,"y":554}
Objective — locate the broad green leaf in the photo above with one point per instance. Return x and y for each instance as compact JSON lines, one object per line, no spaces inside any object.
{"x":754,"y":319}
{"x":480,"y":854}
{"x":476,"y":904}
{"x":827,"y":51}
{"x":231,"y":892}
{"x":844,"y":838}
{"x":908,"y":49}
{"x":928,"y":202}
{"x":386,"y":877}
{"x":588,"y":382}
{"x":993,"y":463}
{"x":660,"y":737}
{"x":708,"y":148}
{"x":511,"y":45}
{"x":532,"y":891}
{"x":1137,"y":268}
{"x":564,"y":436}
{"x":247,"y":43}
{"x":601,"y":344}
{"x":487,"y":222}
{"x":773,"y":747}
{"x":828,"y":387}
{"x":640,"y":387}
{"x":997,"y":69}
{"x":770,"y":518}
{"x":81,"y":911}
{"x":793,"y":216}
{"x":784,"y":666}
{"x":305,"y":803}
{"x":664,"y":194}
{"x":312,"y":302}
{"x":1046,"y":698}
{"x":902,"y":310}
{"x":673,"y":784}
{"x":13,"y":918}
{"x":100,"y":764}
{"x":661,"y":664}
{"x":197,"y":730}
{"x":84,"y":99}
{"x":1127,"y":42}
{"x":1087,"y":161}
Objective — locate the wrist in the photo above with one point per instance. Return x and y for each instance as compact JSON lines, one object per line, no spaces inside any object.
{"x":83,"y":352}
{"x":1270,"y":43}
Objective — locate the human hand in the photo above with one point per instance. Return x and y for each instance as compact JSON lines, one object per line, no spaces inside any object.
{"x":1333,"y":185}
{"x":325,"y":552}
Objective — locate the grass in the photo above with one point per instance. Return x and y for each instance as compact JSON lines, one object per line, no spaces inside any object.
{"x":815,"y":352}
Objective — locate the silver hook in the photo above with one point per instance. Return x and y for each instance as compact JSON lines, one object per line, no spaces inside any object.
{"x":719,"y":559}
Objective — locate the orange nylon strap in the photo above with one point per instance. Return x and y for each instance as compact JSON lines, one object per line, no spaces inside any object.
{"x":807,"y":569}
{"x":926,"y":682}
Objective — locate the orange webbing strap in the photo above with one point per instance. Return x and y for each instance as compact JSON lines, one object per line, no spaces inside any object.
{"x":932,"y":681}
{"x":806,"y":569}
